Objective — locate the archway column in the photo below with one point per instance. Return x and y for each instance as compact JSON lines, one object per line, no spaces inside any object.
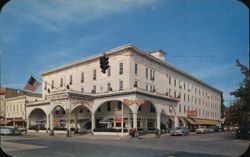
{"x":134,"y":119}
{"x":27,"y":123}
{"x":158,"y":121}
{"x":176,"y":121}
{"x":51,"y":122}
{"x":92,"y":122}
{"x":129,"y":121}
{"x":47,"y":123}
{"x":76,"y":120}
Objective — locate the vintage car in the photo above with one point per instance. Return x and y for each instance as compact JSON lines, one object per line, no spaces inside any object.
{"x":179,"y":131}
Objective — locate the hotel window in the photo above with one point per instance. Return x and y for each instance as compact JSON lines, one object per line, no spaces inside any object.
{"x":184,"y":97}
{"x":146,"y":72}
{"x":152,"y":108}
{"x":82,"y":77}
{"x":136,"y":84}
{"x":175,"y":94}
{"x":61,"y":83}
{"x":120,"y":85}
{"x":121,"y":68}
{"x":71,"y":80}
{"x":109,"y":71}
{"x":94,"y":74}
{"x":94,"y":89}
{"x":146,"y":87}
{"x":184,"y":108}
{"x":175,"y":82}
{"x":151,"y":88}
{"x":169,"y":80}
{"x":82,"y":90}
{"x":109,"y":106}
{"x":184,"y":86}
{"x":180,"y":108}
{"x":109,"y":87}
{"x":52,"y":84}
{"x":136,"y":68}
{"x":45,"y":86}
{"x":153,"y":75}
{"x":119,"y":105}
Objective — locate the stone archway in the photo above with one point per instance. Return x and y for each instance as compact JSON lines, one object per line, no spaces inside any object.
{"x":37,"y":119}
{"x":58,"y":118}
{"x":108,"y":116}
{"x":81,"y":119}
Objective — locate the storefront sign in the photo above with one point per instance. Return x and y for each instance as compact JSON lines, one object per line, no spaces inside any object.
{"x":138,"y":102}
{"x":192,"y":113}
{"x":118,"y":119}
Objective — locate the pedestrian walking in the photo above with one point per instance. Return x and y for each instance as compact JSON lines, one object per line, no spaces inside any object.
{"x":157,"y":133}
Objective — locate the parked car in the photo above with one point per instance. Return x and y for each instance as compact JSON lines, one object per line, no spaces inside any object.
{"x":202,"y":130}
{"x":179,"y":131}
{"x":9,"y":130}
{"x":243,"y":132}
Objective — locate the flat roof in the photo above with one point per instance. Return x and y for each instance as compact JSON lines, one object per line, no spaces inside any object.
{"x":117,"y":49}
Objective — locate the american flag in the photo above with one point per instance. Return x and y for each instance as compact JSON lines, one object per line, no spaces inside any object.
{"x":32,"y":84}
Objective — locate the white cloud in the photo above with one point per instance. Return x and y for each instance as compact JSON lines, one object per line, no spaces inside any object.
{"x":56,"y":14}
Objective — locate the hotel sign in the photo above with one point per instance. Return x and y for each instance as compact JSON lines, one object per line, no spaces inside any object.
{"x":192,"y":113}
{"x":138,"y":102}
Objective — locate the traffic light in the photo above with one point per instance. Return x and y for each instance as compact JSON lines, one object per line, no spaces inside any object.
{"x":104,"y":63}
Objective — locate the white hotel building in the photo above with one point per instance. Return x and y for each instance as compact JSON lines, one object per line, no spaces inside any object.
{"x":79,"y":95}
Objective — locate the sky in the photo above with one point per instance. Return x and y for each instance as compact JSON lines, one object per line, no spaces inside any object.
{"x":202,"y":37}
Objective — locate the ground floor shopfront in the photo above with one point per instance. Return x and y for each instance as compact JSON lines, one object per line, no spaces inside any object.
{"x":109,"y":112}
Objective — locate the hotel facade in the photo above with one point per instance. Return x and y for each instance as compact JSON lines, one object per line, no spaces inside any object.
{"x":139,"y":90}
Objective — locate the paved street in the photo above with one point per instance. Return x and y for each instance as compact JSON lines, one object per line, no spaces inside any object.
{"x":208,"y":145}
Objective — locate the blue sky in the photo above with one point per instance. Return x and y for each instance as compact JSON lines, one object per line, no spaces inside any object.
{"x":202,"y":37}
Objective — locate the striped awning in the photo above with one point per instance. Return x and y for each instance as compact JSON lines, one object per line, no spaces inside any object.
{"x":191,"y":121}
{"x":206,"y":122}
{"x":182,"y":120}
{"x":171,"y":118}
{"x":5,"y":122}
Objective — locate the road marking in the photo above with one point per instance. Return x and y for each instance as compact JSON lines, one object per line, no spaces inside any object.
{"x":11,"y":146}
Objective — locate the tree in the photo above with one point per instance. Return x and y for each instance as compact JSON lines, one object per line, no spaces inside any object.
{"x":243,"y":95}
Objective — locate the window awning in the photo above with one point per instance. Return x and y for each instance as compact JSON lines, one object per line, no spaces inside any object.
{"x":171,"y":118}
{"x":5,"y":122}
{"x":206,"y":122}
{"x":182,"y":120}
{"x":191,"y":121}
{"x":105,"y":121}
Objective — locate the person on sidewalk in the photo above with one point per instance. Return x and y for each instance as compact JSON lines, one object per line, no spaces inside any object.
{"x":157,"y":133}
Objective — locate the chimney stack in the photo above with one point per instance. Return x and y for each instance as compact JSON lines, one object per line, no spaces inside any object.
{"x":160,"y":54}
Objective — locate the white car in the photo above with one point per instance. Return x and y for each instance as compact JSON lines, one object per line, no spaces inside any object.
{"x":202,"y":130}
{"x":9,"y":130}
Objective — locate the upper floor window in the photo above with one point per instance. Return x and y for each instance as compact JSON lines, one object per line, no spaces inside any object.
{"x":120,"y":85}
{"x":94,"y":74}
{"x":180,"y":108}
{"x":136,"y":68}
{"x":136,"y":84}
{"x":146,"y":87}
{"x":71,"y":80}
{"x":109,"y":71}
{"x":82,"y":90}
{"x":82,"y":77}
{"x":146,"y":72}
{"x":94,"y":89}
{"x":121,"y":68}
{"x":52,"y":84}
{"x":109,"y":87}
{"x":169,"y":80}
{"x":152,"y":74}
{"x":174,"y":82}
{"x":61,"y":83}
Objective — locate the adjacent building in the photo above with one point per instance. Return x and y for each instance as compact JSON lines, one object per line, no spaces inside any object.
{"x":13,"y":103}
{"x":140,"y":90}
